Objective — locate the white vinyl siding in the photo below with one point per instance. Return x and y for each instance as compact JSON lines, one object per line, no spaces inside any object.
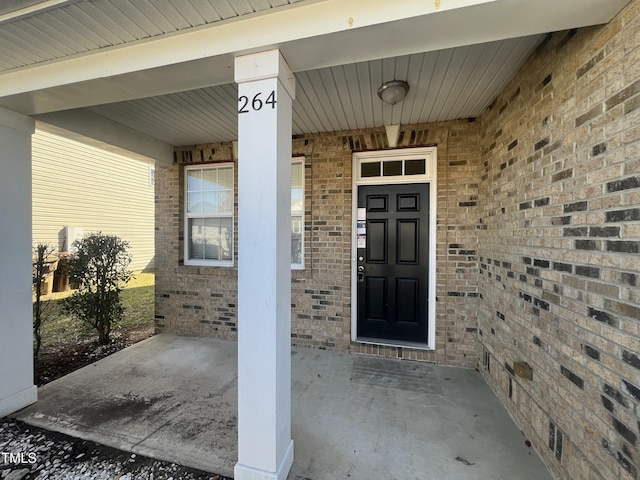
{"x":78,"y":185}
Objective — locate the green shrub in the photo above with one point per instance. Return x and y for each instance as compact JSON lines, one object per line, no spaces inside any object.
{"x":99,"y":271}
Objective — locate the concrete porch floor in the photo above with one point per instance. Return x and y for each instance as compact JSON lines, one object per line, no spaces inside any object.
{"x":355,"y":417}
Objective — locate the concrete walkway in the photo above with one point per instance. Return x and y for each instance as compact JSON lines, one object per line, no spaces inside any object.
{"x":354,"y":417}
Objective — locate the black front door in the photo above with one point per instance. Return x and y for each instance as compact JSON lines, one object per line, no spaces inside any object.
{"x":392,"y":262}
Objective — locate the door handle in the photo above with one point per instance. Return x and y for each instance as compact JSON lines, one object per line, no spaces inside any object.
{"x":361,"y":268}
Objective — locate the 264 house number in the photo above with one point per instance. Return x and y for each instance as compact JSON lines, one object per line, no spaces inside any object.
{"x":256,"y":103}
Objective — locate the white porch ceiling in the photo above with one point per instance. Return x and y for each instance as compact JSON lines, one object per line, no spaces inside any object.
{"x":444,"y":85}
{"x":164,"y":68}
{"x":77,"y":27}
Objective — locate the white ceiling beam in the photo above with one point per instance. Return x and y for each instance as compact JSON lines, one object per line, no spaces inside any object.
{"x":90,"y":128}
{"x":310,"y":35}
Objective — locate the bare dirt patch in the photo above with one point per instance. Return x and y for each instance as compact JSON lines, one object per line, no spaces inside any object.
{"x":58,"y":360}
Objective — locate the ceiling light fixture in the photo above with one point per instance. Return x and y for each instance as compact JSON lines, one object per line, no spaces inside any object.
{"x":393,"y":92}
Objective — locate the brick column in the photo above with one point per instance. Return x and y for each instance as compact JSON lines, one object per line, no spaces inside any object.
{"x":265,"y":95}
{"x":16,"y":310}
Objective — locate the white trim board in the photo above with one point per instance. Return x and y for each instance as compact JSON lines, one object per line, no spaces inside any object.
{"x":430,"y":177}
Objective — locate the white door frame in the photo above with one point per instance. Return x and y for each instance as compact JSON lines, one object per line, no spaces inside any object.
{"x":429,"y":177}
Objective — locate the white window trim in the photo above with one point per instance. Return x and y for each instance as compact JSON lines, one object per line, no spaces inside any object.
{"x":187,"y":216}
{"x":230,"y":263}
{"x":430,"y":176}
{"x":301,"y":161}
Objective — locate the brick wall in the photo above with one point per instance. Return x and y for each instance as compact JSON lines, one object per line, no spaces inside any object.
{"x":189,"y":299}
{"x":538,"y":242}
{"x":202,"y":300}
{"x":559,"y":205}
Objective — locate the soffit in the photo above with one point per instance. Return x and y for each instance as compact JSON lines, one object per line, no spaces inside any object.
{"x":80,"y":27}
{"x":175,"y":83}
{"x":447,"y":84}
{"x":9,"y":7}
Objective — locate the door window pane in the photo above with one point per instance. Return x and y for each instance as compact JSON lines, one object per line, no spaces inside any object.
{"x":414,"y":167}
{"x":370,"y":169}
{"x":392,"y":168}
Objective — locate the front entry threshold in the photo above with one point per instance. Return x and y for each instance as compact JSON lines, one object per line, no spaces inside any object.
{"x":243,"y":472}
{"x":395,"y":343}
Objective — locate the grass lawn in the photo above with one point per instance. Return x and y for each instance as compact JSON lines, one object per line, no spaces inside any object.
{"x":60,"y":328}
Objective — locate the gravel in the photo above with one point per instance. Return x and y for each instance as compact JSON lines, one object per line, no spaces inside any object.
{"x":28,"y":453}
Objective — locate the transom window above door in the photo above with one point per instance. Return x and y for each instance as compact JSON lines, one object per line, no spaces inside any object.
{"x":414,"y":168}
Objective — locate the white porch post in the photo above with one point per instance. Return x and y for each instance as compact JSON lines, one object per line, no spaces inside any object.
{"x":265,"y":94}
{"x":16,"y":310}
